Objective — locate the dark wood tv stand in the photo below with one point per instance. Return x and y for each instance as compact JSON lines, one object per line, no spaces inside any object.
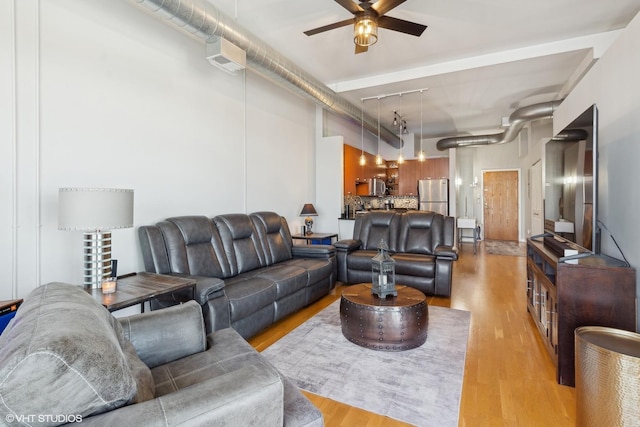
{"x":595,"y":291}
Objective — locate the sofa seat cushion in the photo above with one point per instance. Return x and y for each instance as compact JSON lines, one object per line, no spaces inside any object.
{"x":233,"y":352}
{"x":63,"y":354}
{"x":317,"y":269}
{"x":361,"y":259}
{"x":415,"y":264}
{"x":288,"y":278}
{"x":247,"y":294}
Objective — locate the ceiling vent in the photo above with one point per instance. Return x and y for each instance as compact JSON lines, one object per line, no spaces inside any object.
{"x":226,"y":56}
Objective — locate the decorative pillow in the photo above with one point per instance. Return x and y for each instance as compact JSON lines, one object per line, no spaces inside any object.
{"x":63,"y":355}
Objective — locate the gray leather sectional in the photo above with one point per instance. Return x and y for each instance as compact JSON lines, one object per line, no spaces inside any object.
{"x":422,"y":244}
{"x":248,"y":272}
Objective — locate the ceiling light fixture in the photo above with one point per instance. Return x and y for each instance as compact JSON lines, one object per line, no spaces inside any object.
{"x":421,"y":155}
{"x":365,"y":29}
{"x":363,"y":159}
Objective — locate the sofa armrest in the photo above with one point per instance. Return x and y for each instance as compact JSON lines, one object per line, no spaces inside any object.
{"x":165,"y":335}
{"x":249,"y":396}
{"x":313,"y":251}
{"x":206,"y":287}
{"x":348,"y":245}
{"x":446,"y":252}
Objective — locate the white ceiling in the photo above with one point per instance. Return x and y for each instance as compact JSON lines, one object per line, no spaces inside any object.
{"x":479,"y":59}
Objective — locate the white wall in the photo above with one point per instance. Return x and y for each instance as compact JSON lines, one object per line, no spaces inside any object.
{"x":101,"y":94}
{"x":613,"y":85}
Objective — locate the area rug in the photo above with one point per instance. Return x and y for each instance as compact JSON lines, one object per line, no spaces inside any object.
{"x":504,"y":247}
{"x":421,"y":386}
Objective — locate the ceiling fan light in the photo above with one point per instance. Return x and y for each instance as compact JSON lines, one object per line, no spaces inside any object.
{"x":365,"y":30}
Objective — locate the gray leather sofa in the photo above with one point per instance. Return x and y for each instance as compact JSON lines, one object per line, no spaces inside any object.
{"x":248,"y":272}
{"x":65,"y":360}
{"x":421,"y":243}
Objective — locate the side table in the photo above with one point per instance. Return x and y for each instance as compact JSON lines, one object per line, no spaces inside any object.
{"x":468,"y":224}
{"x":139,"y":288}
{"x":317,"y":238}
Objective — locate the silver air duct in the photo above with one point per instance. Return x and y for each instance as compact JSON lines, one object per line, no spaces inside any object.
{"x":517,"y":119}
{"x":571,"y":135}
{"x":204,"y":21}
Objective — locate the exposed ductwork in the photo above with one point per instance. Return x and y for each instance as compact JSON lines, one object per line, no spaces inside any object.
{"x":571,"y":135}
{"x":204,"y":21}
{"x":517,"y":120}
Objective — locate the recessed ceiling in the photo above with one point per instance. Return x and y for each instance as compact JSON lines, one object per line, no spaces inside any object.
{"x":479,"y":59}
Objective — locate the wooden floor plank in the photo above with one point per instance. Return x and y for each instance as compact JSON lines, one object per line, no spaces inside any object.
{"x":509,"y":379}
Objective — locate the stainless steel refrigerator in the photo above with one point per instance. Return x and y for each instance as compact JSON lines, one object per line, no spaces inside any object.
{"x":433,"y":195}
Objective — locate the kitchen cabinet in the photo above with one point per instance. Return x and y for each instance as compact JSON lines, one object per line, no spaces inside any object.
{"x":401,"y":179}
{"x":354,"y":172}
{"x":413,"y":170}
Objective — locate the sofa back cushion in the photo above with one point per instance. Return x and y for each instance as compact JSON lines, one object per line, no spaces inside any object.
{"x":420,"y":232}
{"x":241,"y":243}
{"x":275,"y":236}
{"x":63,"y":354}
{"x":374,"y":226}
{"x":194,"y":247}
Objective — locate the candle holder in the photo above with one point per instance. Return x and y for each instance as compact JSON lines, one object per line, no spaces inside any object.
{"x":109,"y":285}
{"x":383,"y":273}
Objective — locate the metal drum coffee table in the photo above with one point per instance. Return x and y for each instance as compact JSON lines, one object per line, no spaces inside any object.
{"x":388,"y":324}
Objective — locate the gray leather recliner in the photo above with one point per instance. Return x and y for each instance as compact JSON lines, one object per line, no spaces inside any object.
{"x":421,"y":243}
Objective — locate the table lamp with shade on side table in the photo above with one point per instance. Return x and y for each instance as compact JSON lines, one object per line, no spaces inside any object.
{"x":95,"y":211}
{"x":308,"y":210}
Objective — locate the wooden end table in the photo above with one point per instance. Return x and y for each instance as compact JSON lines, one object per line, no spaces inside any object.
{"x":387,"y":324}
{"x":141,"y":287}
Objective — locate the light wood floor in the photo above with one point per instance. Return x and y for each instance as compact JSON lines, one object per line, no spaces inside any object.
{"x":509,"y":379}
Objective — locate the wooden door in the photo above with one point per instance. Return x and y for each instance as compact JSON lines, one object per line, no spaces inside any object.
{"x":500,"y":205}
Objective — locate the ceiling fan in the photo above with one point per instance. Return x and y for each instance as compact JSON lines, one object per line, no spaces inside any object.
{"x":368,"y":16}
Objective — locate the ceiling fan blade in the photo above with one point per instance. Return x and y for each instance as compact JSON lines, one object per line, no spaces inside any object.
{"x":330,"y":27}
{"x":384,"y":6}
{"x":361,"y":49}
{"x":401,"y":25}
{"x":350,"y":6}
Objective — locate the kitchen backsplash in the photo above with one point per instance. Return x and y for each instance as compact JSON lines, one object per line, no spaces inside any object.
{"x":366,"y":202}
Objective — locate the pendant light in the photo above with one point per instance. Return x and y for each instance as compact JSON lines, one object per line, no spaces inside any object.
{"x":379,"y":160}
{"x":421,"y":155}
{"x":400,"y":156}
{"x":363,"y":159}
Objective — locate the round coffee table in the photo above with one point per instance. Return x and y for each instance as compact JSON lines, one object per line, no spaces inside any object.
{"x":387,"y":324}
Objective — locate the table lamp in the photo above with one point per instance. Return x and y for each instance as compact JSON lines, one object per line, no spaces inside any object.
{"x":94,"y":211}
{"x":309,"y":211}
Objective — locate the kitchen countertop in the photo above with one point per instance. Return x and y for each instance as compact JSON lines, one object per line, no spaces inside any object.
{"x":399,"y":210}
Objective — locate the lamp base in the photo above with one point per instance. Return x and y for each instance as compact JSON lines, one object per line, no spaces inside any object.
{"x":308,"y":222}
{"x":97,"y":258}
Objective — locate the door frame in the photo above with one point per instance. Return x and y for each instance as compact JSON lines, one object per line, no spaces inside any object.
{"x":520,"y":198}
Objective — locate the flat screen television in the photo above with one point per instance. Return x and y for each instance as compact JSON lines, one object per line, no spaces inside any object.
{"x":571,"y":182}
